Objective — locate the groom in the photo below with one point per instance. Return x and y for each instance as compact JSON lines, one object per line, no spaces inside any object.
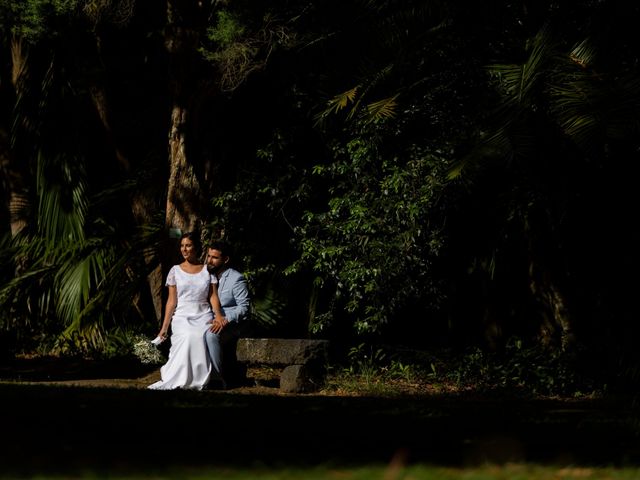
{"x":235,"y":301}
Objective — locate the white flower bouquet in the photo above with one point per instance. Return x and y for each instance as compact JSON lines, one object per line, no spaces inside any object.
{"x":147,"y":351}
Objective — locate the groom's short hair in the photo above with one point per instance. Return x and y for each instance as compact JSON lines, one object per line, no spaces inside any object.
{"x":223,"y":247}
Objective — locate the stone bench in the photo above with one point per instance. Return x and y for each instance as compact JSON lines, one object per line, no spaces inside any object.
{"x":303,"y":362}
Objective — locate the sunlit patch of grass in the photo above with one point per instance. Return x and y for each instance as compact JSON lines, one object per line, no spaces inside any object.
{"x":347,"y":383}
{"x":394,"y":470}
{"x":373,"y":372}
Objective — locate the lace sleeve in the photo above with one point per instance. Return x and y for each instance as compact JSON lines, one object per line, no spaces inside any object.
{"x":171,"y":277}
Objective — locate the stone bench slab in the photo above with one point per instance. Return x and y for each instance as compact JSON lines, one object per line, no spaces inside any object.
{"x":281,"y":351}
{"x":303,"y":361}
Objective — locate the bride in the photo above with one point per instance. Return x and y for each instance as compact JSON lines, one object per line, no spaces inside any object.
{"x":193,"y":291}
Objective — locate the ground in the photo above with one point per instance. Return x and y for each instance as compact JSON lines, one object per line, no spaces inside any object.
{"x":125,"y":373}
{"x":70,"y":416}
{"x":121,"y":373}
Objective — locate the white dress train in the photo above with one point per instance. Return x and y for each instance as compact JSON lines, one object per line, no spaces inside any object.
{"x":188,"y":365}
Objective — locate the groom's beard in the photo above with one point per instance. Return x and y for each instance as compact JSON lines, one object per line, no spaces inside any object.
{"x":215,"y":271}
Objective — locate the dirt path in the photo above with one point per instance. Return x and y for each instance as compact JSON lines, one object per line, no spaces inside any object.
{"x":141,"y":383}
{"x":112,"y":374}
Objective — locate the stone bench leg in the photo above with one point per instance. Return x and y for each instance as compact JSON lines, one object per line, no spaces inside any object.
{"x":300,"y":379}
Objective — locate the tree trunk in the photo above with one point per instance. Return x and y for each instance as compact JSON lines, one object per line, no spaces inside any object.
{"x":183,"y":190}
{"x":14,"y":169}
{"x":556,"y":318}
{"x":17,"y":197}
{"x":184,"y":201}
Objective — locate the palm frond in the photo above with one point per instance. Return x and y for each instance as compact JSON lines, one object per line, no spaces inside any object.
{"x":521,"y":86}
{"x":496,"y":144}
{"x":123,"y":276}
{"x":78,"y":278}
{"x":583,"y":53}
{"x":576,"y":112}
{"x":382,"y":109}
{"x":10,"y":292}
{"x":336,"y":104}
{"x":588,"y":106}
{"x":518,"y":81}
{"x":401,"y":22}
{"x":267,"y":310}
{"x":74,"y":287}
{"x":352,"y":99}
{"x":62,"y":197}
{"x":342,"y":100}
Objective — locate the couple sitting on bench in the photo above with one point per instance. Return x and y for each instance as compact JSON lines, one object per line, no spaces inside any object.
{"x":207,"y":308}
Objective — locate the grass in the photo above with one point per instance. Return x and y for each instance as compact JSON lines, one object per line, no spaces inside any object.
{"x":392,"y":471}
{"x":380,"y":416}
{"x":54,"y":431}
{"x":533,"y":372}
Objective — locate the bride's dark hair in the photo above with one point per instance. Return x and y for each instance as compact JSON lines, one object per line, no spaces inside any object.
{"x":195,"y":239}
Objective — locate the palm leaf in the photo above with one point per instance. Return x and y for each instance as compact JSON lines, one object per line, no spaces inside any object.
{"x":10,"y":292}
{"x":74,"y":287}
{"x":63,"y":203}
{"x":267,"y":310}
{"x":497,"y":144}
{"x":583,"y":53}
{"x":336,"y":104}
{"x":589,"y":106}
{"x":78,"y":278}
{"x":518,"y":81}
{"x":520,"y":86}
{"x":123,"y":276}
{"x":382,"y":109}
{"x":342,"y":100}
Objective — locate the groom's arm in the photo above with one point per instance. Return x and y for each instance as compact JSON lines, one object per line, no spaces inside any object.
{"x":239,"y":311}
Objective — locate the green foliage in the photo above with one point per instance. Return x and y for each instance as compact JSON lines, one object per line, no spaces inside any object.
{"x":33,"y":19}
{"x":376,"y":231}
{"x":365,"y":362}
{"x":270,"y":302}
{"x":379,"y":370}
{"x":267,"y":309}
{"x":565,"y":85}
{"x":231,"y":52}
{"x":358,"y":104}
{"x":357,"y":208}
{"x":228,"y":29}
{"x":36,"y":20}
{"x":518,"y":370}
{"x":240,"y":43}
{"x":76,"y":273}
{"x":75,"y":277}
{"x":256,"y":214}
{"x":528,"y":369}
{"x":374,"y":228}
{"x":546,"y":172}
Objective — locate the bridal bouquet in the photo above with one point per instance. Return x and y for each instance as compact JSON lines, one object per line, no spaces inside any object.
{"x":147,"y":350}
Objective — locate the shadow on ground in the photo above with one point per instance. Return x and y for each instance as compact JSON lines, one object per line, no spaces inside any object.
{"x":39,"y":369}
{"x":53,"y":428}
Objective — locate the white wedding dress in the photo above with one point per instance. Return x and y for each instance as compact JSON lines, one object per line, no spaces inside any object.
{"x":189,"y":365}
